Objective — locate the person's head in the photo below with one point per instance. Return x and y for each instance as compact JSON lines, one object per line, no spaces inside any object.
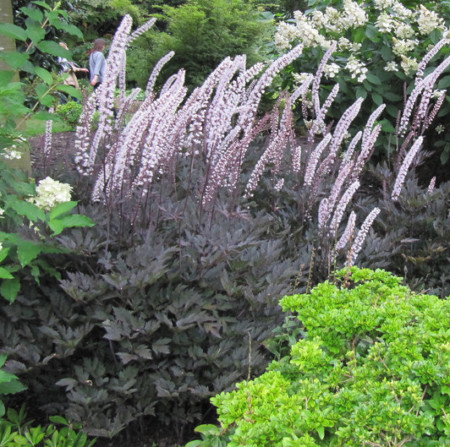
{"x":64,"y":45}
{"x":99,"y":45}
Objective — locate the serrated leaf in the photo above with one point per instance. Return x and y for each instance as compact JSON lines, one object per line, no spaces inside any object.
{"x":9,"y":289}
{"x":377,"y":99}
{"x":14,"y":31}
{"x":35,"y":32}
{"x":126,"y":357}
{"x":444,"y":83}
{"x":50,"y":47}
{"x":61,"y":209}
{"x":75,"y":31}
{"x":161,"y":346}
{"x":12,"y":387}
{"x":43,"y":4}
{"x":15,"y":59}
{"x":5,"y":274}
{"x":27,"y":251}
{"x":72,"y":91}
{"x":6,"y":77}
{"x":4,"y":253}
{"x":34,"y":13}
{"x":44,"y":75}
{"x":74,"y":220}
{"x":373,"y":79}
{"x":44,"y":116}
{"x":28,"y":210}
{"x":68,"y":383}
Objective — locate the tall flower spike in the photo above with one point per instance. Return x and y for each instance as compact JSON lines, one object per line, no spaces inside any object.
{"x":156,"y":71}
{"x":404,"y":168}
{"x":342,"y":206}
{"x":141,"y":30}
{"x":349,"y":230}
{"x":424,"y":62}
{"x":314,"y":159}
{"x":318,"y":77}
{"x":423,"y":84}
{"x":362,"y":234}
{"x":48,"y":134}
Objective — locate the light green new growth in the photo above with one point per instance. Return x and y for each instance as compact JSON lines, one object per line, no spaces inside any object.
{"x":373,"y":370}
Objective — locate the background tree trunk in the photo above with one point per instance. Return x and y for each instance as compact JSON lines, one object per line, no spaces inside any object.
{"x":6,"y":43}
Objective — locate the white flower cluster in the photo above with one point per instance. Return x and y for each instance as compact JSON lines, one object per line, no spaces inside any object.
{"x":391,"y":66}
{"x":11,"y":153}
{"x":428,"y":21}
{"x":404,"y":26}
{"x":50,"y":193}
{"x":331,"y":70}
{"x":409,"y":65}
{"x":403,"y":46}
{"x":310,"y":29}
{"x":383,"y":4}
{"x":356,"y":68}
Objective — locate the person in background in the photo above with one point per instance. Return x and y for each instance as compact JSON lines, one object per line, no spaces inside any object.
{"x":71,"y":68}
{"x":97,"y":63}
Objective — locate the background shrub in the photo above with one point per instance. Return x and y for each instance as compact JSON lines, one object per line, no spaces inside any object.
{"x":202,"y":33}
{"x":379,"y":47}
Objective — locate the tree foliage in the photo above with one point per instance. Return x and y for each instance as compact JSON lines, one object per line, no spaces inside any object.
{"x":202,"y":33}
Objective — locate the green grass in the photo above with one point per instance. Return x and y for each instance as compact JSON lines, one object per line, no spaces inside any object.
{"x":37,"y":127}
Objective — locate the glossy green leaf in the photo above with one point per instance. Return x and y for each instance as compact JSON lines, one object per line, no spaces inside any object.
{"x":34,"y":13}
{"x":44,"y":75}
{"x":9,"y":289}
{"x":53,"y":48}
{"x":5,"y":274}
{"x":14,"y":31}
{"x":61,"y":209}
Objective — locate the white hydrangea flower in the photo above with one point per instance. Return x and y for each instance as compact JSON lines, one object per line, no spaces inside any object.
{"x":383,"y":4}
{"x":391,"y":66}
{"x":356,"y":68}
{"x":403,"y":30}
{"x":385,"y":23}
{"x":281,"y":43}
{"x":333,"y":18}
{"x":2,"y":211}
{"x":309,"y":35}
{"x":331,"y":70}
{"x":50,"y":193}
{"x":401,"y":47}
{"x":428,"y":21}
{"x":343,"y":44}
{"x":353,"y":15}
{"x":319,"y":19}
{"x":12,"y":154}
{"x":285,"y":34}
{"x":409,"y":65}
{"x":300,"y":78}
{"x":401,"y":11}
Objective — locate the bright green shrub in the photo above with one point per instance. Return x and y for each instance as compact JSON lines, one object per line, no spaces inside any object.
{"x":373,"y":369}
{"x":17,"y":430}
{"x":70,"y":112}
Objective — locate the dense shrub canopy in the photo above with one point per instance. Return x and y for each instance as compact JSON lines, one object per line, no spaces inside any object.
{"x":373,"y":369}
